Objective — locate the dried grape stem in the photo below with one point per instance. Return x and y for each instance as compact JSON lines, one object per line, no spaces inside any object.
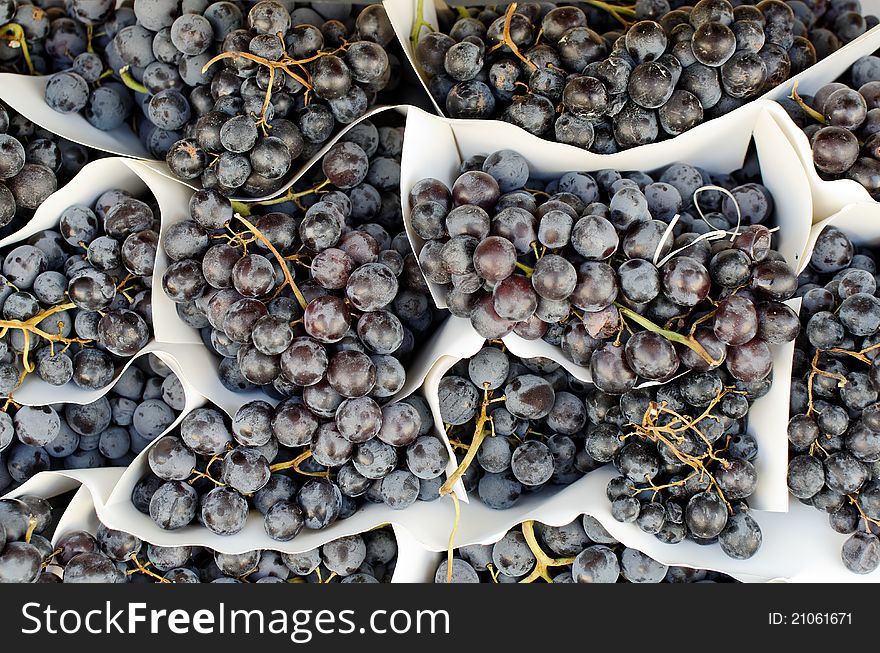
{"x":142,"y":569}
{"x":288,"y":278}
{"x":543,"y":562}
{"x":28,"y":327}
{"x":508,"y":41}
{"x":295,"y":463}
{"x":855,"y":501}
{"x":480,"y":434}
{"x":451,"y":545}
{"x":650,"y":430}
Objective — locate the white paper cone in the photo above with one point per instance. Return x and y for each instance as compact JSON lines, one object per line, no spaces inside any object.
{"x":87,"y":186}
{"x":79,"y":515}
{"x":415,"y":564}
{"x":27,"y":95}
{"x":452,"y":141}
{"x":829,"y":197}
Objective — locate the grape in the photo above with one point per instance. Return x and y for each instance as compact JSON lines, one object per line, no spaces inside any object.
{"x":173,"y":505}
{"x":596,"y":564}
{"x":224,"y":511}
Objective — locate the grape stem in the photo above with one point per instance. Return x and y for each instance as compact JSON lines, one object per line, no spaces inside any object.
{"x":688,"y":341}
{"x":815,"y":370}
{"x":855,"y":501}
{"x":283,"y":64}
{"x":141,"y":568}
{"x":507,"y":40}
{"x":289,"y":196}
{"x":542,"y":561}
{"x":525,"y":268}
{"x":618,"y":11}
{"x":810,"y":111}
{"x":288,"y":278}
{"x":295,"y":463}
{"x":670,"y":435}
{"x":419,"y":23}
{"x":28,"y":327}
{"x":13,"y":34}
{"x":131,"y":82}
{"x":451,"y":545}
{"x":480,"y":434}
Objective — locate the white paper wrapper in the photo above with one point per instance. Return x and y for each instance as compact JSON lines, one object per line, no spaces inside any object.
{"x":87,"y":509}
{"x":90,"y":182}
{"x":26,"y":94}
{"x":829,"y":197}
{"x":861,"y":222}
{"x":798,"y":546}
{"x":719,"y":146}
{"x":451,"y":141}
{"x":403,"y":15}
{"x":198,"y":367}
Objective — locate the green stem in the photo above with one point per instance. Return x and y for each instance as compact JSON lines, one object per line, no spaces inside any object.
{"x":15,"y":31}
{"x":463,"y":12}
{"x":131,"y":82}
{"x":688,"y":341}
{"x":289,"y":196}
{"x":810,"y":111}
{"x":419,"y":23}
{"x":525,"y":268}
{"x":241,"y":208}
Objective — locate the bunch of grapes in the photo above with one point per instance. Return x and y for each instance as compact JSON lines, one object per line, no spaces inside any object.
{"x":622,"y":76}
{"x":682,"y":449}
{"x":111,"y":556}
{"x":33,"y":164}
{"x":76,"y":300}
{"x":586,"y":259}
{"x":586,"y":552}
{"x":684,"y":456}
{"x":301,"y":464}
{"x":108,"y":432}
{"x":361,"y":308}
{"x":520,"y":421}
{"x":843,"y":125}
{"x":834,"y":431}
{"x":234,"y":96}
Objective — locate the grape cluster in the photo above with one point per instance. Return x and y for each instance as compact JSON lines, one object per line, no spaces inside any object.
{"x":616,"y":77}
{"x":234,"y":94}
{"x":361,"y":308}
{"x":834,"y":431}
{"x":584,"y":259}
{"x":111,"y":556}
{"x":682,"y":449}
{"x":108,"y":432}
{"x":34,"y":162}
{"x":75,"y":300}
{"x":842,"y":122}
{"x":521,"y":422}
{"x":586,"y":552}
{"x":684,"y":458}
{"x":279,"y":460}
